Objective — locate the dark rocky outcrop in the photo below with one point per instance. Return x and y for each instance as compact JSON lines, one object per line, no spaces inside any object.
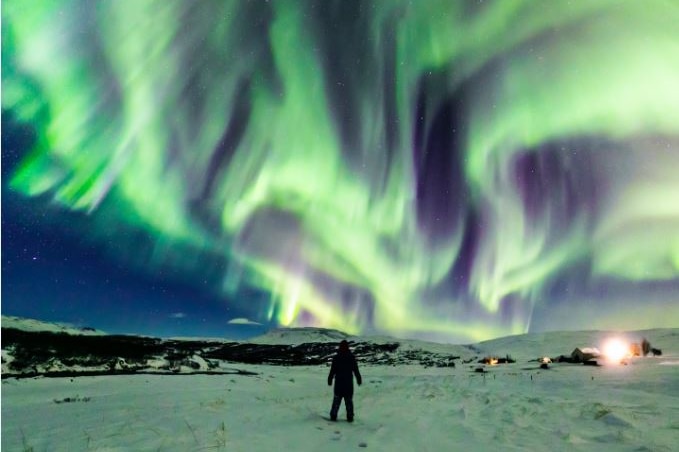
{"x":46,"y":353}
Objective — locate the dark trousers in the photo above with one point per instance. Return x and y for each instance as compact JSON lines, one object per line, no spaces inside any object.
{"x":348,"y":404}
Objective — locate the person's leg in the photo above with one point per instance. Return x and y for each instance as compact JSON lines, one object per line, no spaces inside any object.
{"x":349,"y":404}
{"x":337,"y":399}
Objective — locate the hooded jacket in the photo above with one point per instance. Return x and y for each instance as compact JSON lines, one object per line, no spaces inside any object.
{"x":343,"y":369}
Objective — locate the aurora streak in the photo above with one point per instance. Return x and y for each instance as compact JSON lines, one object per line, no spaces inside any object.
{"x":439,"y":169}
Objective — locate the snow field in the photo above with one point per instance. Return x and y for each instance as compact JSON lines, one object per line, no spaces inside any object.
{"x":633,"y":408}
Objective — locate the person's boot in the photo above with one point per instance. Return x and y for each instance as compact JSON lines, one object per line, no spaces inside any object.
{"x":335,"y":408}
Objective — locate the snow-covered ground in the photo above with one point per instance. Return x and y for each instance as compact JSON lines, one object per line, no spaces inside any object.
{"x":407,"y":407}
{"x":24,"y":324}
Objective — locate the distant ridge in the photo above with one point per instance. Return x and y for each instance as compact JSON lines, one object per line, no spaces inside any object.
{"x":563,"y":342}
{"x":26,"y":324}
{"x":293,"y":336}
{"x":32,"y":347}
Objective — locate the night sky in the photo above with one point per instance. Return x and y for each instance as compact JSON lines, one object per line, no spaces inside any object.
{"x":445,"y":170}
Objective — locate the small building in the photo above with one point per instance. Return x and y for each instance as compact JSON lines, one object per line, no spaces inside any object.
{"x":582,"y":354}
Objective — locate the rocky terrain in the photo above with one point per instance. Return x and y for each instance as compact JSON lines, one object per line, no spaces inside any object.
{"x":27,"y":353}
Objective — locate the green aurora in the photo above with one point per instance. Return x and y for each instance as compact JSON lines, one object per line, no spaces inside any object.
{"x":431,"y":168}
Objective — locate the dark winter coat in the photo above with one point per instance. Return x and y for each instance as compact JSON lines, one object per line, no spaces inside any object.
{"x":343,"y":369}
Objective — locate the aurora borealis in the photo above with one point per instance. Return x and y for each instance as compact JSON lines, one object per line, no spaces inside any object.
{"x":443,"y":169}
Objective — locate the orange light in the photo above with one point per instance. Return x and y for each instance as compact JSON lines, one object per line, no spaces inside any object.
{"x":635,"y":349}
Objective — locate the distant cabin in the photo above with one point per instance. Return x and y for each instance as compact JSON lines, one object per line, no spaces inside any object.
{"x":583,"y":354}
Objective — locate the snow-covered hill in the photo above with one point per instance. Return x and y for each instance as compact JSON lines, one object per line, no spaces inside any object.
{"x":533,"y":345}
{"x":24,"y":324}
{"x":295,"y":336}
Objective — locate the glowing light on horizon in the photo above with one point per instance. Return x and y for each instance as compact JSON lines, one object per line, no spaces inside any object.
{"x":615,"y":350}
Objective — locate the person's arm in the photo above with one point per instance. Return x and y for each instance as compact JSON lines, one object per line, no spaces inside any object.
{"x":333,"y":371}
{"x":359,"y":380}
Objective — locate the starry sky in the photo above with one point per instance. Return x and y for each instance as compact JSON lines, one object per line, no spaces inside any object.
{"x":447,"y":170}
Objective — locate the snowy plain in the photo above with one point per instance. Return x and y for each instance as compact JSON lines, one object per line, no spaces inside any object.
{"x":633,"y":407}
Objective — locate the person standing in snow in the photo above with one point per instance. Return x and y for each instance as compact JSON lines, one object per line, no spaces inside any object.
{"x":343,"y":369}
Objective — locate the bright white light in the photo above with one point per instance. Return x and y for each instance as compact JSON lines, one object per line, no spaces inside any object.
{"x":615,"y":350}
